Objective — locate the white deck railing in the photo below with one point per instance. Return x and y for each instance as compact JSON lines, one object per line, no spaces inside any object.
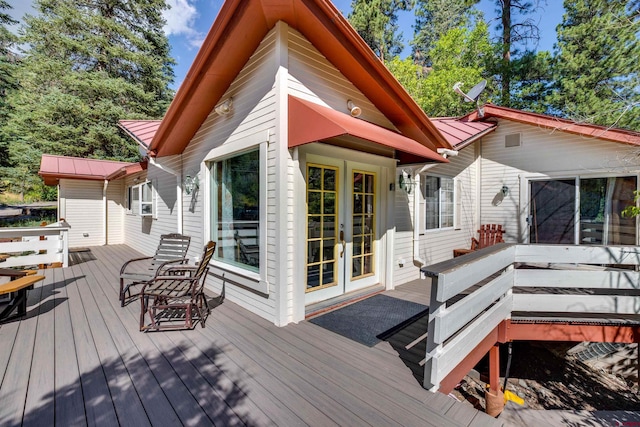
{"x":31,"y":246}
{"x":545,"y":278}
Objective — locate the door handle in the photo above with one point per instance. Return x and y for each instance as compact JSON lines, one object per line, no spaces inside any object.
{"x":343,"y":242}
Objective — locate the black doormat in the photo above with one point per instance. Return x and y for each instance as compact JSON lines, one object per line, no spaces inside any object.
{"x":372,"y":319}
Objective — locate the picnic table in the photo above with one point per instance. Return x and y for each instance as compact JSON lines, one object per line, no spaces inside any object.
{"x":21,"y":282}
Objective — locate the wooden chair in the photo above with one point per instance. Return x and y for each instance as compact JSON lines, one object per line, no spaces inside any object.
{"x":176,"y":295}
{"x":488,"y":235}
{"x":172,"y":249}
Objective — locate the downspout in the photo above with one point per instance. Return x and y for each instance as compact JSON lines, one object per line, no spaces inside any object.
{"x":104,"y":212}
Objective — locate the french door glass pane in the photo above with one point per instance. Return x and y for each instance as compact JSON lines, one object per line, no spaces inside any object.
{"x":322,"y":218}
{"x":363,"y":219}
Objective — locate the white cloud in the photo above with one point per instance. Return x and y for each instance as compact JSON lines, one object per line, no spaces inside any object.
{"x":181,"y":19}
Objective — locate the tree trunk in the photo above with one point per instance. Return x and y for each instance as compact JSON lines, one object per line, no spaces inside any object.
{"x":506,"y":52}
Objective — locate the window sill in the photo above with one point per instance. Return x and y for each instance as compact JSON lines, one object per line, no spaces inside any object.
{"x":437,"y":230}
{"x":250,"y":280}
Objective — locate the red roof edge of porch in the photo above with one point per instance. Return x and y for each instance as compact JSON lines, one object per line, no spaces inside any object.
{"x":311,"y":122}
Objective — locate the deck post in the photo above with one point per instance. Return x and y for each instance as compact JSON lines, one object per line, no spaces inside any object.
{"x":494,"y":397}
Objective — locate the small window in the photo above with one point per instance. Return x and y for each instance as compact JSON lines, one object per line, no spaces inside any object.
{"x":439,"y":202}
{"x":140,"y":199}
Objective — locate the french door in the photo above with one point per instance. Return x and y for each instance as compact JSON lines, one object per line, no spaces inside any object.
{"x":342,"y":217}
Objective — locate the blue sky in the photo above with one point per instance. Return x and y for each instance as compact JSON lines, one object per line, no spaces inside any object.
{"x":188,"y":22}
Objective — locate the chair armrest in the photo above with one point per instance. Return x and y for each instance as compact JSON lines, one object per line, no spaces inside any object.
{"x":475,"y":244}
{"x":124,"y":266}
{"x":167,"y":265}
{"x":173,"y":271}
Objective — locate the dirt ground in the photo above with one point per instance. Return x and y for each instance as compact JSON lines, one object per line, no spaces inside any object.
{"x":547,"y":378}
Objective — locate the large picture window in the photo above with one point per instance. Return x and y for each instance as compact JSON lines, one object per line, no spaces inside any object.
{"x":438,"y":202}
{"x":586,"y":211}
{"x":236,"y":210}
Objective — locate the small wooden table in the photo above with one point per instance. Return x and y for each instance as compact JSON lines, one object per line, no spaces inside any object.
{"x":21,"y":282}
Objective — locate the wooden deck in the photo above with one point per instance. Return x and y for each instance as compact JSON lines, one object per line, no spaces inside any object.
{"x":78,"y":358}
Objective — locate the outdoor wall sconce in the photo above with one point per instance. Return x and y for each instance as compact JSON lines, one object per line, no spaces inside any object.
{"x":505,"y":191}
{"x":354,"y":110}
{"x":225,"y":107}
{"x":406,"y":182}
{"x":191,"y":183}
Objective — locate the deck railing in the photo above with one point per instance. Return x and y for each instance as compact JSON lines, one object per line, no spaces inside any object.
{"x":33,"y":246}
{"x":472,"y":295}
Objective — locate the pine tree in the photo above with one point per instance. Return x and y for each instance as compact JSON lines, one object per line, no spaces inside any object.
{"x":517,"y":29}
{"x":88,"y":65}
{"x":376,"y":22}
{"x":434,"y":18}
{"x":596,"y":66}
{"x":7,"y":78}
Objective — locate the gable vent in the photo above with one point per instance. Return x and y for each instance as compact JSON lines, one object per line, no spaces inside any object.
{"x":512,"y":140}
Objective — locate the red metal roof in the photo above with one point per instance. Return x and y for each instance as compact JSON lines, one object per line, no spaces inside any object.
{"x":52,"y":168}
{"x":141,"y":130}
{"x":459,"y":132}
{"x":585,"y":129}
{"x":238,"y":30}
{"x":311,"y":122}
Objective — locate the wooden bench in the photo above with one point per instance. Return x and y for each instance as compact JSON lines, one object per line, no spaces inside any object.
{"x":21,"y":282}
{"x":488,"y":235}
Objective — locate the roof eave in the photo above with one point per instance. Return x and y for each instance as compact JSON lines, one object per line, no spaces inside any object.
{"x":340,"y":44}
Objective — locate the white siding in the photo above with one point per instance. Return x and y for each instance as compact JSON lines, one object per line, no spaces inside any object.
{"x":312,"y":76}
{"x":543,"y":152}
{"x":82,"y":207}
{"x":115,"y":213}
{"x":435,"y":245}
{"x":253,"y":115}
{"x":143,"y":233}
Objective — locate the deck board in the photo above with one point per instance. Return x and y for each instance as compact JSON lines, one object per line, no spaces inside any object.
{"x":88,"y":364}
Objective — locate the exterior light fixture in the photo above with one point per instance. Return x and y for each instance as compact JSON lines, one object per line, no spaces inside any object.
{"x":191,"y":183}
{"x":406,"y":182}
{"x":354,"y":110}
{"x":505,"y":191}
{"x":225,"y":107}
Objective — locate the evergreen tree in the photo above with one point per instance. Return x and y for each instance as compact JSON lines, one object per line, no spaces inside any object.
{"x":531,"y":81}
{"x":596,"y":67}
{"x":88,"y":65}
{"x":434,"y":18}
{"x":517,"y":29}
{"x":7,"y":78}
{"x":376,"y":22}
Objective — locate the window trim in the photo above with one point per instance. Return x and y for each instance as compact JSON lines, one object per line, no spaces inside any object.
{"x":423,"y":204}
{"x":255,"y":281}
{"x":138,"y":189}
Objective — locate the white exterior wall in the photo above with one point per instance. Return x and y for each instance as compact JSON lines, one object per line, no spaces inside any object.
{"x":435,"y":245}
{"x":115,"y":213}
{"x":143,"y":233}
{"x":253,"y":118}
{"x":543,"y":153}
{"x":313,"y":77}
{"x":82,"y":206}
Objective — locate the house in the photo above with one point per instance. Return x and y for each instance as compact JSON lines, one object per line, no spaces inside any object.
{"x":293,"y":147}
{"x":545,"y":180}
